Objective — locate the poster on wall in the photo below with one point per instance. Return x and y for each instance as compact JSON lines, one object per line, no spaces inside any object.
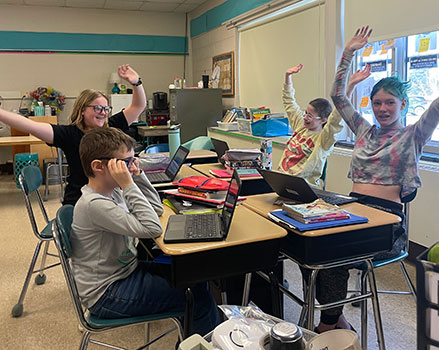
{"x":226,"y":76}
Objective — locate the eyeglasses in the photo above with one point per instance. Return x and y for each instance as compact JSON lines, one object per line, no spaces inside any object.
{"x":309,"y":115}
{"x":128,"y":161}
{"x":99,"y":108}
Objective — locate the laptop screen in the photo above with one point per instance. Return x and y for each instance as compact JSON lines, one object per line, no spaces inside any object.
{"x":230,"y":202}
{"x":220,"y":148}
{"x":176,"y":162}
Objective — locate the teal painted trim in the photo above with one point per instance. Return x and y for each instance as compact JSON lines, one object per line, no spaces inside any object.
{"x":78,"y":42}
{"x":215,"y":17}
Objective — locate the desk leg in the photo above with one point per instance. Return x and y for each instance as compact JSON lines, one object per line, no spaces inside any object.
{"x":310,"y":302}
{"x":189,"y":314}
{"x":275,"y":295}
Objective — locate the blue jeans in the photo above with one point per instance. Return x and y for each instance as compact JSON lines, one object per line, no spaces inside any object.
{"x":146,"y":291}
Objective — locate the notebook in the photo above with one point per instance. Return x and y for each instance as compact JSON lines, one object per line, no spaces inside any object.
{"x":169,"y":174}
{"x":205,"y":227}
{"x":281,"y":216}
{"x":220,"y":148}
{"x":297,"y":189}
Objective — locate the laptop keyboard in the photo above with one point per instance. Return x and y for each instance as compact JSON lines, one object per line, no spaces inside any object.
{"x":157,"y":177}
{"x":334,"y":198}
{"x":201,"y":226}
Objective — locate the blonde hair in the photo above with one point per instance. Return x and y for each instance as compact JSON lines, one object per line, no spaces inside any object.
{"x":82,"y":101}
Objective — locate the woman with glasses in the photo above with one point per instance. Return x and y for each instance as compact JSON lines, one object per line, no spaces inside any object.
{"x":91,"y":110}
{"x":314,"y":132}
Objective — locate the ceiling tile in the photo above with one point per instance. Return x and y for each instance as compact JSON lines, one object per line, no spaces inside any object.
{"x":11,"y":2}
{"x":165,"y":1}
{"x":56,"y":3}
{"x":198,"y":2}
{"x":183,"y":8}
{"x":159,"y":7}
{"x":96,"y":4}
{"x":123,"y":5}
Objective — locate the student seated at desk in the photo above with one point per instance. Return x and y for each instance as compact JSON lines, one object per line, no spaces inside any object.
{"x":314,"y":132}
{"x":91,"y":110}
{"x":117,"y":205}
{"x":384,"y":166}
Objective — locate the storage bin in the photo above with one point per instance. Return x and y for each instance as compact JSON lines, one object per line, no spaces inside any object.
{"x":270,"y":127}
{"x":427,"y":287}
{"x":228,"y":126}
{"x":22,"y":160}
{"x":244,"y":125}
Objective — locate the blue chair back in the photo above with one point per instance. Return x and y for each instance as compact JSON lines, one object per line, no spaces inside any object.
{"x":160,"y":147}
{"x":64,"y":218}
{"x":30,"y":179}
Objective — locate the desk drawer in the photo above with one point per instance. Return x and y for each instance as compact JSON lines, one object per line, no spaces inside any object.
{"x":336,"y":247}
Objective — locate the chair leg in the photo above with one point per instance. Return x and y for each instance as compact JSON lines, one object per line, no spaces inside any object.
{"x":147,"y":334}
{"x":310,"y":302}
{"x":376,"y":306}
{"x":17,"y":310}
{"x":303,"y":312}
{"x":41,"y":277}
{"x":84,"y":340}
{"x":246,"y":291}
{"x":363,"y":305}
{"x":358,"y":282}
{"x":188,"y":313}
{"x":408,"y":280}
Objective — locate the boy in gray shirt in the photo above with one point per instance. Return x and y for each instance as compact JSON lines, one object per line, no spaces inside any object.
{"x":117,"y":205}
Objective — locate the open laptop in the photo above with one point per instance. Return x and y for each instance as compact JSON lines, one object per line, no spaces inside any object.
{"x":173,"y":168}
{"x":220,"y":148}
{"x":205,"y":227}
{"x":297,"y":189}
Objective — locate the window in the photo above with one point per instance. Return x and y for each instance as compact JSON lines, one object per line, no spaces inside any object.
{"x":413,"y":58}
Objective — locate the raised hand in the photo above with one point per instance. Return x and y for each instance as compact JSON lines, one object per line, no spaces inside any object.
{"x":359,"y":40}
{"x":360,"y":75}
{"x":294,"y":70}
{"x":128,"y":74}
{"x":120,"y":173}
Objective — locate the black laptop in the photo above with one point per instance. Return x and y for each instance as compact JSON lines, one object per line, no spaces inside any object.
{"x":297,"y":189}
{"x":220,"y":148}
{"x":173,"y":168}
{"x":205,"y":227}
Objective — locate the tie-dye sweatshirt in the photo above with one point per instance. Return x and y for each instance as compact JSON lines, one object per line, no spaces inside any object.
{"x":306,"y":151}
{"x":383,"y":156}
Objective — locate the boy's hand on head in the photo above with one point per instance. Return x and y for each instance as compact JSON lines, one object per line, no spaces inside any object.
{"x":294,"y":70}
{"x":120,"y":173}
{"x":128,"y":74}
{"x":359,"y":40}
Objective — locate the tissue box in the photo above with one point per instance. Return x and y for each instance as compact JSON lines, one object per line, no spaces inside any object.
{"x":270,"y":127}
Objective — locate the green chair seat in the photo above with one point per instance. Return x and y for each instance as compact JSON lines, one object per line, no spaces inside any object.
{"x":115,"y":322}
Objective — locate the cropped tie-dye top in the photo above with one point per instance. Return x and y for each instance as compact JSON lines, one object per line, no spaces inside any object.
{"x":383,"y":156}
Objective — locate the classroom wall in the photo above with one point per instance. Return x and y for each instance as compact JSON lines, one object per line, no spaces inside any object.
{"x":206,"y":45}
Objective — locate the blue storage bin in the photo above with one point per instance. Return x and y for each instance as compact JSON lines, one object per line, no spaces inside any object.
{"x":270,"y":127}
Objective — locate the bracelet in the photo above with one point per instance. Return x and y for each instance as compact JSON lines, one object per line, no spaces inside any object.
{"x":139,"y":82}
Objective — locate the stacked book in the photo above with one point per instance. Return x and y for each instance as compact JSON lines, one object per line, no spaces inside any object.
{"x":317,"y":211}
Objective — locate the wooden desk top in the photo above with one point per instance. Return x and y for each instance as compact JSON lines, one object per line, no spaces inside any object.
{"x":155,"y":130}
{"x":185,"y":171}
{"x":204,"y":169}
{"x":19,"y":140}
{"x":195,"y":154}
{"x":246,"y":227}
{"x":263,"y":203}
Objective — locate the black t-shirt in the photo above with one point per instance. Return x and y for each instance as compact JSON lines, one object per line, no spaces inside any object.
{"x":68,"y":137}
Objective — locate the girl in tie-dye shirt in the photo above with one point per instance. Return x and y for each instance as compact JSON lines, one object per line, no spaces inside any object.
{"x":384,"y":166}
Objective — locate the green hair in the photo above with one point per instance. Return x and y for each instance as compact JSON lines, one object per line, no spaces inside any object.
{"x":393,"y":86}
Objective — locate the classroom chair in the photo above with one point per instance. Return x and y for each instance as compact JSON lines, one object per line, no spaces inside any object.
{"x":156,"y":148}
{"x":199,"y":143}
{"x":61,"y":233}
{"x":30,"y":180}
{"x":56,"y":172}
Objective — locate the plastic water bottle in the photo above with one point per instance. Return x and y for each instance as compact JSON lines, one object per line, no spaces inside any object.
{"x":47,"y":111}
{"x":173,"y":139}
{"x":266,"y":149}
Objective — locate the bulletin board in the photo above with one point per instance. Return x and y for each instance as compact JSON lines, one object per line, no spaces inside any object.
{"x":227,"y":72}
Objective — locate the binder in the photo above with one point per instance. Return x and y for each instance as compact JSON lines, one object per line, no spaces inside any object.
{"x":281,"y":216}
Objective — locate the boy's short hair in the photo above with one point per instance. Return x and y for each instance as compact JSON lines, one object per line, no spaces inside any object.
{"x":102,"y":143}
{"x":322,"y":106}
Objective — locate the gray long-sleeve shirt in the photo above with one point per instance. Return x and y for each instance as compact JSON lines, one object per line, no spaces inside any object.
{"x":103,"y":232}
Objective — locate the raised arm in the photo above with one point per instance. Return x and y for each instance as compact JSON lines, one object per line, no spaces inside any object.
{"x":427,"y":123}
{"x":338,"y":93}
{"x":138,"y":103}
{"x":293,"y":110}
{"x":43,"y":131}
